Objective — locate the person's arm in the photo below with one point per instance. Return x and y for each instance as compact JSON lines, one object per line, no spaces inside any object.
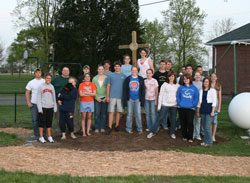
{"x":162,"y":91}
{"x":156,"y":95}
{"x":39,"y":100}
{"x":54,"y":98}
{"x":219,"y":100}
{"x":27,"y":96}
{"x":108,"y":91}
{"x":150,"y":63}
{"x":198,"y":112}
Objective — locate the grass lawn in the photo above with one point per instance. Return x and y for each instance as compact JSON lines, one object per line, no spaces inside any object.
{"x":20,"y":177}
{"x":13,"y":83}
{"x":234,"y":147}
{"x":8,"y":139}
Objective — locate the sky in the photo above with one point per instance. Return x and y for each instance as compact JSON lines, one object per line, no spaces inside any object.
{"x":238,"y":10}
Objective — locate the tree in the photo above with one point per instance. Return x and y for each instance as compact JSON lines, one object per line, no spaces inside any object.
{"x":1,"y":52}
{"x":184,"y":22}
{"x":27,"y":39}
{"x":221,"y":27}
{"x":154,"y":34}
{"x":39,"y":14}
{"x":88,"y":32}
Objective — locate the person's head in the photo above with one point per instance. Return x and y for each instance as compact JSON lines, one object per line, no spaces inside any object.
{"x":189,"y":69}
{"x":199,"y":69}
{"x":126,"y":59}
{"x":134,"y":71}
{"x":150,"y":73}
{"x":72,"y":80}
{"x":172,"y":77}
{"x":206,"y":85}
{"x":38,"y":73}
{"x":65,"y":72}
{"x":197,"y":76}
{"x":48,"y":78}
{"x":117,"y":66}
{"x":183,"y":69}
{"x":87,"y":77}
{"x":100,"y":70}
{"x":86,"y":69}
{"x":162,"y":65}
{"x":143,"y":53}
{"x":169,"y":65}
{"x":214,"y":79}
{"x":187,"y":79}
{"x":106,"y":65}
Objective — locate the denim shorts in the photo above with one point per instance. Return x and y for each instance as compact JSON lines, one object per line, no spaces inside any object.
{"x":86,"y":106}
{"x":115,"y":105}
{"x":215,"y":121}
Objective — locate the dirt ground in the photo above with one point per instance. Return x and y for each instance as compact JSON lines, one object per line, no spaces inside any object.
{"x":122,"y":141}
{"x":119,"y":154}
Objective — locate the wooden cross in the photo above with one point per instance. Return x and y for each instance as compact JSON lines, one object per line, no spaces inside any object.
{"x":134,"y":47}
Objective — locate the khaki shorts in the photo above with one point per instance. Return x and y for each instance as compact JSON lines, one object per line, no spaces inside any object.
{"x":115,"y":105}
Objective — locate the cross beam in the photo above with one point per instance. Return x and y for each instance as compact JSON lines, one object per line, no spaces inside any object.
{"x":133,"y":46}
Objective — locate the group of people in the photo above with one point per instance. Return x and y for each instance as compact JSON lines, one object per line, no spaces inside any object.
{"x":196,"y":99}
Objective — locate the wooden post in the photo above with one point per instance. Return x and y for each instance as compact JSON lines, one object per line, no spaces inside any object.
{"x":133,"y":46}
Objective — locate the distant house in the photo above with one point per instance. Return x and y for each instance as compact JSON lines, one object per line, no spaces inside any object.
{"x":224,"y":60}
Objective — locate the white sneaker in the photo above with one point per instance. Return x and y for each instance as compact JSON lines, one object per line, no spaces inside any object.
{"x":173,"y":136}
{"x":147,"y":130}
{"x":96,"y":131}
{"x":73,"y":136}
{"x":150,"y":135}
{"x":50,"y":139}
{"x":42,"y":140}
{"x":63,"y":138}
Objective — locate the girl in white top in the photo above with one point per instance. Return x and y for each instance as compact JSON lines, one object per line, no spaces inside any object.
{"x":215,"y":84}
{"x":197,"y":120}
{"x":144,"y":63}
{"x":167,"y":105}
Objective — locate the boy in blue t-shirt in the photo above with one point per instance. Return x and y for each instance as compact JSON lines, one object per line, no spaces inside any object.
{"x":114,"y":96}
{"x":126,"y":68}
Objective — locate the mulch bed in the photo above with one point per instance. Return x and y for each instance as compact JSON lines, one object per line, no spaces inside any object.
{"x":122,"y":141}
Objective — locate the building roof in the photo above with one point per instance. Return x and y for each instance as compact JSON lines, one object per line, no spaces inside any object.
{"x":241,"y":34}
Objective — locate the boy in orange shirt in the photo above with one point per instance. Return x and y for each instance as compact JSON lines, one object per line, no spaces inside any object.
{"x":87,"y":91}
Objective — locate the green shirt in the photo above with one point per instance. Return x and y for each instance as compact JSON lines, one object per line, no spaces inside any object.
{"x":59,"y":82}
{"x":100,"y":91}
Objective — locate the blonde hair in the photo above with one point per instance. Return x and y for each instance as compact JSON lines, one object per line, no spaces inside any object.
{"x":217,"y":84}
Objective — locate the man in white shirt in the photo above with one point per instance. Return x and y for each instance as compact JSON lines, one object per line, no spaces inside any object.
{"x":32,"y":88}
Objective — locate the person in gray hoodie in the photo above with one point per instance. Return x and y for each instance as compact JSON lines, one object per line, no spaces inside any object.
{"x":46,"y":104}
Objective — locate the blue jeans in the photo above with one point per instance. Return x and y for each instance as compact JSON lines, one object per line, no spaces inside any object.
{"x":100,"y":115}
{"x":197,"y":125}
{"x":207,"y":122}
{"x":34,"y":116}
{"x":163,"y":116}
{"x":150,"y":110}
{"x":133,"y":106}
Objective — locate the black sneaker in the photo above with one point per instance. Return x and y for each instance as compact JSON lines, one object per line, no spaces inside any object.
{"x":108,"y":131}
{"x":117,"y":128}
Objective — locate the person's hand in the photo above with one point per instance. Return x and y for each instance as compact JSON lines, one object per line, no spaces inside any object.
{"x":30,"y":105}
{"x":212,"y":114}
{"x":99,"y":100}
{"x":59,"y":102}
{"x":108,"y":99}
{"x":41,"y":112}
{"x":218,"y":110}
{"x":155,"y":103}
{"x":198,"y":114}
{"x":158,"y":110}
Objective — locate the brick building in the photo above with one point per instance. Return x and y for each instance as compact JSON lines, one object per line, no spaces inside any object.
{"x":230,"y":50}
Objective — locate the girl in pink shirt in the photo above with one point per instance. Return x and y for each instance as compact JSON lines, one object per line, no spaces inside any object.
{"x":151,"y":96}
